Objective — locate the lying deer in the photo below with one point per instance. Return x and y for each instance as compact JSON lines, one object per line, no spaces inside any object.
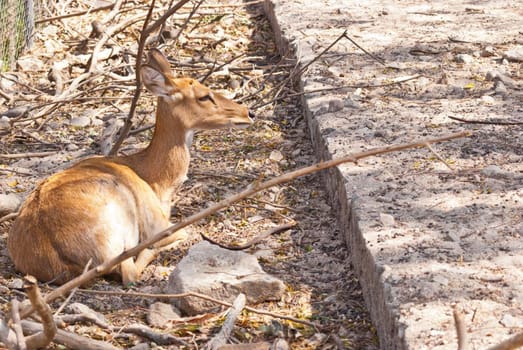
{"x":102,"y":206}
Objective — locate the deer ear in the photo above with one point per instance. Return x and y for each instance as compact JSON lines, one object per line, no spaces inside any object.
{"x":157,"y":60}
{"x":156,"y":82}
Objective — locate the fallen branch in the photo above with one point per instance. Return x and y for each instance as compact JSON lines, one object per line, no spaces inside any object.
{"x":27,"y":155}
{"x":512,"y":343}
{"x":255,"y":240}
{"x":204,"y":297}
{"x":7,"y":336}
{"x":460,"y":329}
{"x":9,"y":216}
{"x":69,"y":340}
{"x":487,"y":122}
{"x":17,"y":326}
{"x":146,"y":332}
{"x":74,"y":14}
{"x":252,"y":189}
{"x":43,"y":338}
{"x":225,"y":332}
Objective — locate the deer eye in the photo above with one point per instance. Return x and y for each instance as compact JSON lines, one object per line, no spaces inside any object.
{"x":207,"y":97}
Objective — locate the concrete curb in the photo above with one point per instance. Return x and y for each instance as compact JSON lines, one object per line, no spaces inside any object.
{"x":347,"y":211}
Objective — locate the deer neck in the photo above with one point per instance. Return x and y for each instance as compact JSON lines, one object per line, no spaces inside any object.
{"x":165,"y":162}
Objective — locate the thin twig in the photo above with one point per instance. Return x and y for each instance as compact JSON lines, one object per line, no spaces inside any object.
{"x":204,"y":297}
{"x":436,"y":154}
{"x":71,"y":295}
{"x":252,"y":189}
{"x":255,"y":240}
{"x":144,"y":34}
{"x":74,"y":14}
{"x":44,"y":338}
{"x":27,"y":155}
{"x":376,"y":58}
{"x":512,"y":343}
{"x":17,"y":326}
{"x":224,"y":334}
{"x":299,"y":72}
{"x":483,"y":121}
{"x":460,"y":329}
{"x":9,"y":216}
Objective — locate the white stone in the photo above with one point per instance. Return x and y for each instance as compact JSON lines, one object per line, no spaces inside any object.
{"x":222,"y":274}
{"x":387,"y":220}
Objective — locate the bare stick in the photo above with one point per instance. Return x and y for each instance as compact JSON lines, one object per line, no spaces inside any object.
{"x":249,"y":346}
{"x":376,"y":58}
{"x":460,"y":329}
{"x":255,"y":240}
{"x":70,"y":296}
{"x":146,"y":332}
{"x":514,"y":342}
{"x":225,"y":332}
{"x":44,"y":338}
{"x":144,"y":34}
{"x":204,"y":297}
{"x":252,"y":189}
{"x":27,"y":155}
{"x":75,"y":14}
{"x":17,"y":326}
{"x":69,"y":340}
{"x":440,"y":158}
{"x":484,"y":121}
{"x":9,"y":216}
{"x":300,"y":71}
{"x":7,"y":335}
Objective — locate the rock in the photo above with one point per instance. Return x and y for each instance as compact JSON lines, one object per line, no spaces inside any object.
{"x":16,"y":283}
{"x":500,"y":89}
{"x":276,"y":156}
{"x":495,"y":172}
{"x":82,"y":309}
{"x":280,"y":344}
{"x":80,"y":122}
{"x":510,"y":321}
{"x":351,"y":102}
{"x":464,"y":58}
{"x":160,"y":314}
{"x":488,"y":51}
{"x":514,"y":55}
{"x":30,"y":64}
{"x":387,"y":220}
{"x":489,"y":100}
{"x":4,"y":123}
{"x":15,"y":111}
{"x":335,"y":105}
{"x":500,"y":77}
{"x":9,"y":203}
{"x":222,"y":274}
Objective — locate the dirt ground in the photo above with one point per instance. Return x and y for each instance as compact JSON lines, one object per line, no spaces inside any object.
{"x":235,"y":42}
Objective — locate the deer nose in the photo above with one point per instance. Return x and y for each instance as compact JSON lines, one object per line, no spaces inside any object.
{"x":251,"y":114}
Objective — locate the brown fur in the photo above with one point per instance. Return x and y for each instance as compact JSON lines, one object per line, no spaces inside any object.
{"x":104,"y":205}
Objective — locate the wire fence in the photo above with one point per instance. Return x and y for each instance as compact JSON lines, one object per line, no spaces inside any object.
{"x":17,"y":24}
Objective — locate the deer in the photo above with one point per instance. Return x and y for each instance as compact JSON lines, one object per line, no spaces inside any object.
{"x":103,"y":205}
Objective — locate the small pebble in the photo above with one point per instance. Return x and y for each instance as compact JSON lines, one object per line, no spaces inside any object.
{"x":488,"y":99}
{"x":387,"y":220}
{"x":514,"y":55}
{"x":336,"y":105}
{"x":80,"y":122}
{"x":276,"y":156}
{"x":488,"y":51}
{"x":464,"y":58}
